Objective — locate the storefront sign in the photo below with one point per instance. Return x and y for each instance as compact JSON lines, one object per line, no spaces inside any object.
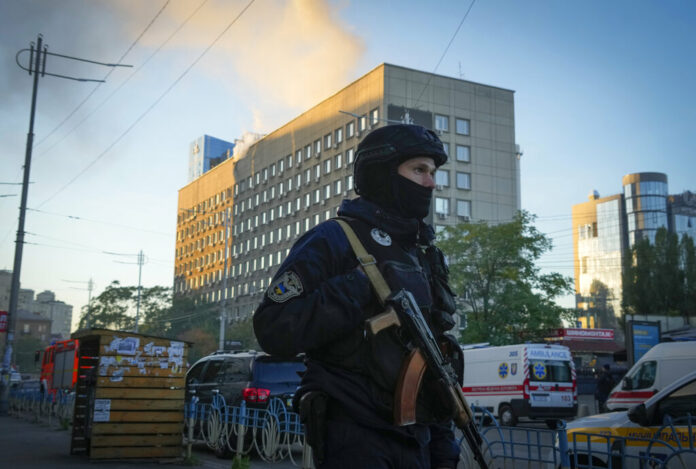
{"x":575,"y":333}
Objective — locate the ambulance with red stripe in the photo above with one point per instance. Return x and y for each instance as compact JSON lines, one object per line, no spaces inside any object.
{"x":659,"y":367}
{"x":535,"y":381}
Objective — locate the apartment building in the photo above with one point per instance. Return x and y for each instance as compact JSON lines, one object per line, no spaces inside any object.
{"x":237,"y":221}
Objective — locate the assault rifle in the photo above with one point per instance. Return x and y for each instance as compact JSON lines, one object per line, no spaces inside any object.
{"x":403,"y":311}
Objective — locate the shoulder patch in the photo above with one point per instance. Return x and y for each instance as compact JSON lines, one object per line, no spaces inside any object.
{"x":287,"y":286}
{"x":381,"y":237}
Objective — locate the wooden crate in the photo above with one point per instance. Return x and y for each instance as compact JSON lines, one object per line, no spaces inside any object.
{"x":130,"y":396}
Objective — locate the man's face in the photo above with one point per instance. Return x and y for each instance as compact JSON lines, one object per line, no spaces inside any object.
{"x":420,"y":170}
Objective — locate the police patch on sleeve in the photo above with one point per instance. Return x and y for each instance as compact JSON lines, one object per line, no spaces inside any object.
{"x":287,"y":286}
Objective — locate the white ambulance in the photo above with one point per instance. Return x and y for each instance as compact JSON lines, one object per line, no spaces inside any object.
{"x":526,"y":380}
{"x":660,"y":366}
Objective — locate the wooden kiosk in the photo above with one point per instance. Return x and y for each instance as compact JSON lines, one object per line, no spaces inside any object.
{"x":129,"y":401}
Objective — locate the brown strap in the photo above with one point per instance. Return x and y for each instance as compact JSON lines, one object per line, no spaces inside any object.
{"x":367,"y":261}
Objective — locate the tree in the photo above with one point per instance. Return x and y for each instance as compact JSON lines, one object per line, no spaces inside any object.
{"x":660,"y":278}
{"x":109,"y":309}
{"x":688,"y":261}
{"x":493,"y":271}
{"x":599,"y":299}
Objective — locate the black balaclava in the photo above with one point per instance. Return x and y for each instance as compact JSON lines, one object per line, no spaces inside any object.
{"x":411,"y":200}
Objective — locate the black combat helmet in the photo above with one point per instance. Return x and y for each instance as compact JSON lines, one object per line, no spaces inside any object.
{"x":384,"y":149}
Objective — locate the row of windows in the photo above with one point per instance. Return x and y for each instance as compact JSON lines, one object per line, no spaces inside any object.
{"x":330,"y":141}
{"x":205,"y":206}
{"x":463,"y":180}
{"x":442,"y":207}
{"x":288,"y":232}
{"x":461,"y":126}
{"x":338,"y":187}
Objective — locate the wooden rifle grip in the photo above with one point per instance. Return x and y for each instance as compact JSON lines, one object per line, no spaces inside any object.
{"x":406,"y":393}
{"x":382,"y":321}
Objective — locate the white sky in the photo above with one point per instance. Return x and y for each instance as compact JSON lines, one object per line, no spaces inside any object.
{"x":602,"y":89}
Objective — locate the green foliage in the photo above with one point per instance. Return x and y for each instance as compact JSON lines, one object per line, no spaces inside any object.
{"x":503,"y":293}
{"x":243,"y":331}
{"x":600,"y":305}
{"x":25,"y":348}
{"x":660,"y":278}
{"x":165,"y":315}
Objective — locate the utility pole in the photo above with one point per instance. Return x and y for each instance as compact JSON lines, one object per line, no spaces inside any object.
{"x":90,"y":286}
{"x":223,"y":313}
{"x":37,"y":65}
{"x":140,"y":261}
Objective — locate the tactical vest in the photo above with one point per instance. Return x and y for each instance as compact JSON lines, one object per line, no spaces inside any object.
{"x":380,"y":357}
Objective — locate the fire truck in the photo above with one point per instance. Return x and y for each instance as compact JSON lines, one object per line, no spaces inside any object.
{"x":59,"y":365}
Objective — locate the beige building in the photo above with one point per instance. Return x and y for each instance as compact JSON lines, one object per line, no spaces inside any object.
{"x":44,"y":305}
{"x":296,"y":177}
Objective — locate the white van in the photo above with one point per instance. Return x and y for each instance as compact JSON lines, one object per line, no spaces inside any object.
{"x":526,"y":380}
{"x":660,"y":366}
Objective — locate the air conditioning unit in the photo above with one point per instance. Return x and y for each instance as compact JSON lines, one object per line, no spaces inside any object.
{"x":335,"y":145}
{"x":323,"y":202}
{"x":442,"y":216}
{"x":316,"y":178}
{"x":438,"y":187}
{"x":465,"y":217}
{"x":317,"y":154}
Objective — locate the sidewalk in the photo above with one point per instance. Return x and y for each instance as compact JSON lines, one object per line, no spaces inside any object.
{"x":27,"y":445}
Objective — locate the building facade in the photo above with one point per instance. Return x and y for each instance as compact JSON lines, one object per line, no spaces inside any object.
{"x":37,"y":309}
{"x":205,"y":153}
{"x":59,"y":313}
{"x":604,"y":229}
{"x":237,"y":222}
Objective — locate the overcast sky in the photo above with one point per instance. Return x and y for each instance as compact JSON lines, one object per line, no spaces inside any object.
{"x":602,"y":89}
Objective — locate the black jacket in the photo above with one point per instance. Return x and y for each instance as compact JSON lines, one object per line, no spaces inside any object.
{"x":318,"y":301}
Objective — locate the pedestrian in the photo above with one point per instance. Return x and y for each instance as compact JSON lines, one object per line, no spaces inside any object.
{"x":604,"y":383}
{"x":320,"y":297}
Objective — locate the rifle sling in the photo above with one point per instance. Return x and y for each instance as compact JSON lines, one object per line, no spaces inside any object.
{"x":367,"y":261}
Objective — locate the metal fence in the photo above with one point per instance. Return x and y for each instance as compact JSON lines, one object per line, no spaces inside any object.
{"x":276,"y":434}
{"x":32,"y":403}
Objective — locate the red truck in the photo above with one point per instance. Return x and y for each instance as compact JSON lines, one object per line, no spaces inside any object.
{"x":59,"y":365}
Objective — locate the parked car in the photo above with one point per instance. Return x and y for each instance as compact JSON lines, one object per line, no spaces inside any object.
{"x":249,"y":376}
{"x":642,"y":436}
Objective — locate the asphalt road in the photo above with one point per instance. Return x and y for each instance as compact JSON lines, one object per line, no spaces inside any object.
{"x":29,"y":445}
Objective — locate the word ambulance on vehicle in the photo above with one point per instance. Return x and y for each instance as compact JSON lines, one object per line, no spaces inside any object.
{"x":527,"y":380}
{"x":659,"y":367}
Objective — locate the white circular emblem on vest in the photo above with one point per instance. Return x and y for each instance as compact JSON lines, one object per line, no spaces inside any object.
{"x":380,"y":237}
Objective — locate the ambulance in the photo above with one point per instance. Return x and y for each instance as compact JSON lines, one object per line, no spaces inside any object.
{"x":658,"y":433}
{"x":536,"y":381}
{"x":660,"y":366}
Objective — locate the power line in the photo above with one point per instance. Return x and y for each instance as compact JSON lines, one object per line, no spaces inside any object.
{"x":151,"y":107}
{"x":445,"y":51}
{"x":75,"y":217}
{"x":123,"y":56}
{"x":130,"y":77}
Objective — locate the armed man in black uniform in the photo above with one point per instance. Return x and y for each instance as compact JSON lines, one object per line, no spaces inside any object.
{"x":320,"y":298}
